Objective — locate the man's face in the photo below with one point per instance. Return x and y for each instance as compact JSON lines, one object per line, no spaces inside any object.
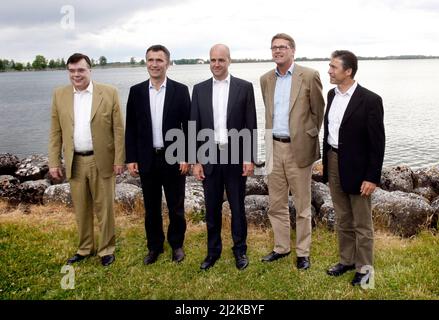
{"x":79,"y":74}
{"x":157,"y":64}
{"x":282,"y":52}
{"x":219,"y":62}
{"x":337,"y":74}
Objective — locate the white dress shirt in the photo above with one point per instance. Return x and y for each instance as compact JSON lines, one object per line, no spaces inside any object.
{"x":220,"y":99}
{"x":157,"y":103}
{"x":336,"y":113}
{"x":82,"y":102}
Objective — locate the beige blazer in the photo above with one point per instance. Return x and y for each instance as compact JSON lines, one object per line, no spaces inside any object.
{"x":305,"y":118}
{"x":106,"y":128}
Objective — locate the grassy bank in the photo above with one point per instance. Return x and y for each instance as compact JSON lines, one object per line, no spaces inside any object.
{"x":35,"y":245}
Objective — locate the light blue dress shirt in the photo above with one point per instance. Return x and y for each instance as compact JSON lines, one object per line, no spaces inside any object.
{"x":282,"y":94}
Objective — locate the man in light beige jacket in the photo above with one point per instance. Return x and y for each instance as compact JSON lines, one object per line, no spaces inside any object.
{"x":294,"y":108}
{"x":86,"y":124}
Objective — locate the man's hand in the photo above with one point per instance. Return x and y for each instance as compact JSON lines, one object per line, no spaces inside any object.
{"x":56,"y":173}
{"x":184,"y":168}
{"x":367,"y":188}
{"x":247,"y":169}
{"x":118,"y":169}
{"x":198,"y":172}
{"x":133,"y":169}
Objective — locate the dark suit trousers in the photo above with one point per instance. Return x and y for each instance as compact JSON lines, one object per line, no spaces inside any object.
{"x":173,"y":184}
{"x":228,"y":176}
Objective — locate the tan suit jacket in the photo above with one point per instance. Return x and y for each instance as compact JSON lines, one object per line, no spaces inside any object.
{"x":106,"y":129}
{"x":305,"y":118}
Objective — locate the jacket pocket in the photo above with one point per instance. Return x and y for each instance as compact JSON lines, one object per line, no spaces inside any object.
{"x":313,"y":132}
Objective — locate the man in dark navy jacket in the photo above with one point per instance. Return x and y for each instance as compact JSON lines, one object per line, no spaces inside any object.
{"x":224,"y":105}
{"x":353,"y":153}
{"x":155,"y":107}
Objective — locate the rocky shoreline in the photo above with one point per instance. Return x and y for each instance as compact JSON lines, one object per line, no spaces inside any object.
{"x":406,"y":202}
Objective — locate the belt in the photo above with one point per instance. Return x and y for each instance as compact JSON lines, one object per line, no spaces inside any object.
{"x":84,"y":153}
{"x":333,"y":149}
{"x":159,"y":150}
{"x":284,"y":140}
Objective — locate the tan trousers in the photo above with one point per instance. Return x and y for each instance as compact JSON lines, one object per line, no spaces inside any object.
{"x":354,"y":224}
{"x":285,"y":176}
{"x":91,"y":193}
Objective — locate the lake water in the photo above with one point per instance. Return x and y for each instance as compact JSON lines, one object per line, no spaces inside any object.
{"x":409,"y":89}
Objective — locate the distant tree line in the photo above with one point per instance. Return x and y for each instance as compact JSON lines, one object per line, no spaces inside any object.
{"x":41,"y":63}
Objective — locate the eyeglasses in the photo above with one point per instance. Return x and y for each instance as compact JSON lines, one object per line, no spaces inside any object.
{"x":281,"y":48}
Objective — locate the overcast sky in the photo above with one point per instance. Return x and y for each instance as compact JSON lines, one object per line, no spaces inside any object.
{"x":123,"y":29}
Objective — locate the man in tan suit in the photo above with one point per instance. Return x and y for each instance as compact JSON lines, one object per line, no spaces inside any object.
{"x":294,"y":108}
{"x":87,"y":125}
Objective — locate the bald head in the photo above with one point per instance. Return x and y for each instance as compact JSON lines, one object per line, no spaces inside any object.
{"x":220,"y":61}
{"x":221,"y":48}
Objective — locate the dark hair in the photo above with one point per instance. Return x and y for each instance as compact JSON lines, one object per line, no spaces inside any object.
{"x":348,"y":59}
{"x":76,"y":57}
{"x":285,"y":36}
{"x":159,"y":47}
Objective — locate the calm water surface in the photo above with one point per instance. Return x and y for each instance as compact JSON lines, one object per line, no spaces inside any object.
{"x":408,"y":88}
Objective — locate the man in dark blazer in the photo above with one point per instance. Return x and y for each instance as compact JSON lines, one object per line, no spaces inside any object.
{"x":221,"y":104}
{"x":353,"y":153}
{"x":154,"y":107}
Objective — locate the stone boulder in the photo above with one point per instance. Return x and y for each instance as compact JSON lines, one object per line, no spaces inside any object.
{"x":327,"y":215}
{"x":426,"y":192}
{"x":404,"y":214}
{"x":127,"y":178}
{"x":398,"y":178}
{"x":8,"y":164}
{"x":194,"y":196}
{"x":127,"y":195}
{"x":317,"y":171}
{"x":256,"y":207}
{"x":435,"y":206}
{"x":33,"y":191}
{"x":59,"y":193}
{"x":427,"y":177}
{"x":32,"y":168}
{"x":321,"y":200}
{"x":9,"y":188}
{"x":257,"y":185}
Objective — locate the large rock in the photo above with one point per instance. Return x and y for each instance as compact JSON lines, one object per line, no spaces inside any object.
{"x":32,"y":168}
{"x":194,"y":196}
{"x":127,"y":178}
{"x":319,"y":194}
{"x":427,"y":177}
{"x":435,"y":206}
{"x":256,"y":207}
{"x":404,"y":214}
{"x":33,"y":191}
{"x":9,"y":189}
{"x":257,"y":185}
{"x":59,"y":193}
{"x":398,"y":178}
{"x":8,"y":164}
{"x":327,"y":215}
{"x":127,"y":195}
{"x":426,"y":192}
{"x":317,"y":171}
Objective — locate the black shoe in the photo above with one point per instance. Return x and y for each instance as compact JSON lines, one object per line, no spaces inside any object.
{"x":360,"y":278}
{"x":241,"y":261}
{"x":76,"y":258}
{"x":303,"y":263}
{"x":339,"y":269}
{"x":209,"y":262}
{"x":107,"y":260}
{"x":273,"y":256}
{"x":152,"y":256}
{"x":178,"y":255}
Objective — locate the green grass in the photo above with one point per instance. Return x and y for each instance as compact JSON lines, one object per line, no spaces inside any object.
{"x":34,"y":247}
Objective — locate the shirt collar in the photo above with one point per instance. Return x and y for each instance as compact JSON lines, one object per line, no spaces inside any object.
{"x":226,"y":80}
{"x":163,"y":85}
{"x":348,"y":93}
{"x":289,"y":72}
{"x":89,"y":89}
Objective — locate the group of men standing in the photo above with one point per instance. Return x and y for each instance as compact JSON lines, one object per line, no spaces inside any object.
{"x":87,"y":127}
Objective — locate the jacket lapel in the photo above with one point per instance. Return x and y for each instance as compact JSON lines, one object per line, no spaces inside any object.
{"x":353,"y":103}
{"x":96,"y":100}
{"x":145,"y":104}
{"x":270,"y":90}
{"x":296,"y":82}
{"x":208,"y":101}
{"x":233,"y":93}
{"x":168,"y":100}
{"x":68,"y":98}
